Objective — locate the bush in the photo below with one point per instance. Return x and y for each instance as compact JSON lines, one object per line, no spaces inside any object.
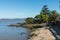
{"x":37,"y":26}
{"x":29,"y":20}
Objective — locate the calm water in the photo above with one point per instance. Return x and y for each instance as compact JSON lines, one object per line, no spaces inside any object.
{"x":12,"y":33}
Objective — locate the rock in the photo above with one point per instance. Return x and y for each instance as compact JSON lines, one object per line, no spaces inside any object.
{"x":17,"y":25}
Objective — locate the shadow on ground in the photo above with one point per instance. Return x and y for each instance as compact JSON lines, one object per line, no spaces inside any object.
{"x":56,"y":30}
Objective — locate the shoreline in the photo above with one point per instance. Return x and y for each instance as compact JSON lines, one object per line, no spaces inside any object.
{"x":28,"y":25}
{"x":38,"y":32}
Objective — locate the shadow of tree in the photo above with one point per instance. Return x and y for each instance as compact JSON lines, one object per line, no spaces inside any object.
{"x":55,"y":30}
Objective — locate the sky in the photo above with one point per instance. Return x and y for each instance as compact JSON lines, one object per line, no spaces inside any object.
{"x":25,"y":8}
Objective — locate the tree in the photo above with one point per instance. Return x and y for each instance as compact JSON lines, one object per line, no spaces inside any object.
{"x":37,"y":19}
{"x":29,"y":20}
{"x":45,"y":10}
{"x":45,"y":14}
{"x":54,"y":16}
{"x":37,"y":16}
{"x":45,"y":18}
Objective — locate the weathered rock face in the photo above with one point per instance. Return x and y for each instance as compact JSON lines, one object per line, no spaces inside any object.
{"x":42,"y":34}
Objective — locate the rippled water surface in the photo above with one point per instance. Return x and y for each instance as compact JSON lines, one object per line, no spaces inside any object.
{"x":12,"y":33}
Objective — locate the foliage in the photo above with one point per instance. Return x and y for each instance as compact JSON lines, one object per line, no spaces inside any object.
{"x":37,"y":16}
{"x":29,"y":20}
{"x":38,"y":19}
{"x":45,"y":16}
{"x":45,"y":10}
{"x":53,"y":16}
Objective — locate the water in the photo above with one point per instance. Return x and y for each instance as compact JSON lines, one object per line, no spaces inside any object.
{"x":12,"y":33}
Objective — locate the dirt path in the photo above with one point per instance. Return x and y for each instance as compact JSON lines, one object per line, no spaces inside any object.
{"x":42,"y":34}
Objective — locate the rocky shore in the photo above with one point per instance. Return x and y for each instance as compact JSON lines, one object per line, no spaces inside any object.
{"x":41,"y":34}
{"x":28,"y":25}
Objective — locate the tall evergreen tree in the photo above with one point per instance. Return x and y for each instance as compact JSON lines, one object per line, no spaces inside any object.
{"x":45,"y":10}
{"x":45,"y":13}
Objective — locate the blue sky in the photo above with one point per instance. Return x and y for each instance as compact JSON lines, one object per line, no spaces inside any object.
{"x":25,"y":8}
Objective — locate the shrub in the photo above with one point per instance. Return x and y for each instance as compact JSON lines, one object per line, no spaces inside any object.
{"x":29,"y":20}
{"x":37,"y":26}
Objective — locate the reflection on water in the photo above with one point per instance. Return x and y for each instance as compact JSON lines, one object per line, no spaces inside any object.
{"x":12,"y":33}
